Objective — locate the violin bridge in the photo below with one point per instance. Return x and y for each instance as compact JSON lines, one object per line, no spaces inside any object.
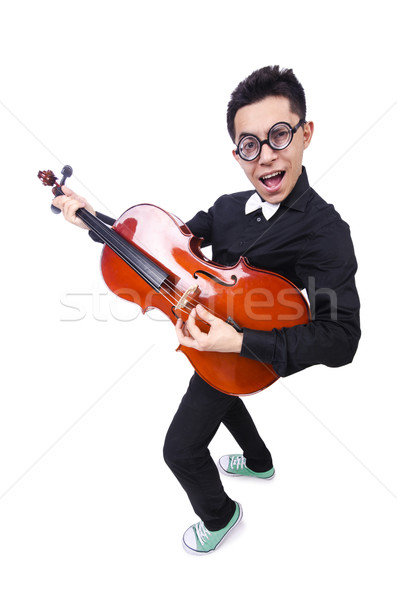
{"x":184,"y":299}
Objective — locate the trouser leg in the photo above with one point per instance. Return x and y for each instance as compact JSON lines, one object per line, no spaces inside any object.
{"x":240,"y":424}
{"x":186,"y":452}
{"x":186,"y":448}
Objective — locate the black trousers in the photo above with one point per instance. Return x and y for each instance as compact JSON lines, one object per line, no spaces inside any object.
{"x":195,"y":423}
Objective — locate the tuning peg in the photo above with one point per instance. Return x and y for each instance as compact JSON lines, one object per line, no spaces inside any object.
{"x":67,"y":171}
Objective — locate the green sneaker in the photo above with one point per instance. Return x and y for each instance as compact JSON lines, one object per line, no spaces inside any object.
{"x":200,"y":540}
{"x":235,"y":465}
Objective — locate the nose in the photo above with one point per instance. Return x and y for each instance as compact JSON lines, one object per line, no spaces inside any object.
{"x":267,"y":155}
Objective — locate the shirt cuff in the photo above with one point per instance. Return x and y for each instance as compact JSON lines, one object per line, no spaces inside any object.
{"x":259,"y":345}
{"x":94,"y":236}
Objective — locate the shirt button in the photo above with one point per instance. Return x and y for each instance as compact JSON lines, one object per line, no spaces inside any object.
{"x":259,"y":219}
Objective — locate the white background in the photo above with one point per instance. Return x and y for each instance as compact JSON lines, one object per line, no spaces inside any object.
{"x":129,"y":94}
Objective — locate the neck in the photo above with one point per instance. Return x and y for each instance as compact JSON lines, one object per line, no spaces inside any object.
{"x":139,"y":262}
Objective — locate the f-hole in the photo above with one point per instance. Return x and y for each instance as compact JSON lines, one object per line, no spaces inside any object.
{"x":214,"y":278}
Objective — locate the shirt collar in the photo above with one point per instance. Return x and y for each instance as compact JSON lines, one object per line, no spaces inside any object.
{"x":255,"y":201}
{"x":298,"y":198}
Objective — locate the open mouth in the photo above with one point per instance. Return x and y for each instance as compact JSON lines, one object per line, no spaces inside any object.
{"x":272,"y":181}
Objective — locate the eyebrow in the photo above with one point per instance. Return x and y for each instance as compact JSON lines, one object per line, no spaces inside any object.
{"x":244,"y":133}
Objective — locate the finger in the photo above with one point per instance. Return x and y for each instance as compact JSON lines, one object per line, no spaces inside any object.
{"x":73,"y":204}
{"x":184,"y":340}
{"x":204,"y":314}
{"x":181,"y":327}
{"x":69,"y":206}
{"x":70,"y":209}
{"x":194,"y":330}
{"x":71,"y":194}
{"x":60,"y":201}
{"x":67,"y":191}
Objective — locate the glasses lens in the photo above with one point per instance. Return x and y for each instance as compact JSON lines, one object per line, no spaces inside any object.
{"x":249,"y":147}
{"x":280,"y":135}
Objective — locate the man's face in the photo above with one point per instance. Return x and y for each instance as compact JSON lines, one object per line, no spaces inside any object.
{"x":283,"y":166}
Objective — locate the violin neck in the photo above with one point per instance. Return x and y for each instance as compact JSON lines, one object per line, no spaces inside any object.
{"x":139,"y":262}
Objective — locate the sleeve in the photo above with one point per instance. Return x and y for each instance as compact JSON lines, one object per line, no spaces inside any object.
{"x":105,"y":219}
{"x":327,"y":266}
{"x":201,"y":226}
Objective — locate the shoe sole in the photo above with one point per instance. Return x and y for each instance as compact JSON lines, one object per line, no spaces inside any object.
{"x":223,"y":472}
{"x":198,"y":553}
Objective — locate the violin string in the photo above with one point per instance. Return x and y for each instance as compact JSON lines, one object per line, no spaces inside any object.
{"x":193,"y":303}
{"x":167,"y":289}
{"x":148,"y":273}
{"x":172,"y":288}
{"x":173,"y":291}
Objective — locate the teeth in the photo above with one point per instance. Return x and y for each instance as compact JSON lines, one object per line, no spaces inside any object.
{"x":271,"y":175}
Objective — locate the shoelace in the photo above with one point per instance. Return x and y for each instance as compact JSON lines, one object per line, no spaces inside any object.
{"x":202,"y":532}
{"x":238,"y":462}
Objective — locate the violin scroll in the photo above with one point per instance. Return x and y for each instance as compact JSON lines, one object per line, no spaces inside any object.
{"x":47,"y":177}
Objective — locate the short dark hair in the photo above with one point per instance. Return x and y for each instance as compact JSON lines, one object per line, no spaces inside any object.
{"x":268,"y":81}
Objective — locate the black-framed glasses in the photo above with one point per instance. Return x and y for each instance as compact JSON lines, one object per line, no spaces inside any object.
{"x":279,"y":137}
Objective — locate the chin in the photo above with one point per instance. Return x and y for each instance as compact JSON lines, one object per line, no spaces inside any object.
{"x":271,"y":198}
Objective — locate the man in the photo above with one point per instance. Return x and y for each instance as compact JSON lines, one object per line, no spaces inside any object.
{"x":281,"y":226}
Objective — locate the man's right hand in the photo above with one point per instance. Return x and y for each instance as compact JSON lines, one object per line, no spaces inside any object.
{"x":69,"y":204}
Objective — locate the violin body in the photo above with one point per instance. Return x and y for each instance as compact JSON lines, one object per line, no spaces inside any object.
{"x":242,"y":295}
{"x":151,"y":258}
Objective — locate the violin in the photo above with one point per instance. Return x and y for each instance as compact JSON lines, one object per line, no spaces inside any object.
{"x":151,"y":258}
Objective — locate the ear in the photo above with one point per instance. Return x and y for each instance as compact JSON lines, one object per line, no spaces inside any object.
{"x":236,"y":156}
{"x":308,"y":130}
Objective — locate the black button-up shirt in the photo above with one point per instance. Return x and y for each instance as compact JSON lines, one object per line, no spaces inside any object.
{"x":307,"y":242}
